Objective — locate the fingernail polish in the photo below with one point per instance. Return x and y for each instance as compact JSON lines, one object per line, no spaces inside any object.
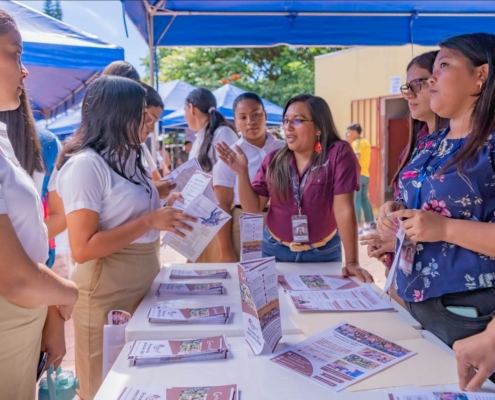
{"x":361,"y":243}
{"x":388,"y":215}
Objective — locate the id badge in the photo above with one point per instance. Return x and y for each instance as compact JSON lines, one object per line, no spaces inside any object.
{"x":407,"y":253}
{"x":300,"y":231}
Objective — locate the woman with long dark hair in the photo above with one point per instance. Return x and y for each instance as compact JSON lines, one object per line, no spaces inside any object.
{"x":256,"y":142}
{"x":35,"y":302}
{"x":211,"y":127}
{"x":37,"y":151}
{"x":423,"y":121}
{"x":447,"y":197}
{"x":314,"y":174}
{"x":113,"y":215}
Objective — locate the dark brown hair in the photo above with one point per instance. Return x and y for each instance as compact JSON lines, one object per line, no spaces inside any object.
{"x":423,"y":61}
{"x":111,"y":127}
{"x":23,"y":136}
{"x":479,"y":49}
{"x":6,"y":23}
{"x":123,"y":69}
{"x":278,"y":174}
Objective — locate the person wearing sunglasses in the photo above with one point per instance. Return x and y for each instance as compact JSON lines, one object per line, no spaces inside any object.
{"x":313,"y":174}
{"x":422,"y":122}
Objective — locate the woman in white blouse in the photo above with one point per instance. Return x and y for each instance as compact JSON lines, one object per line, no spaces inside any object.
{"x":256,"y":142}
{"x":34,"y":301}
{"x":211,"y":127}
{"x":113,"y":215}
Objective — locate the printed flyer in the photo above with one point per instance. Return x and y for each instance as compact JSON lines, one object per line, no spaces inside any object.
{"x":192,"y":273}
{"x":422,"y":394}
{"x":204,"y":315}
{"x":362,"y":298}
{"x":393,"y":269}
{"x":113,"y":338}
{"x":165,"y":351}
{"x":316,"y":282}
{"x":225,"y":392}
{"x":190,"y":288}
{"x":260,"y":304}
{"x":341,"y":356}
{"x":251,"y":226}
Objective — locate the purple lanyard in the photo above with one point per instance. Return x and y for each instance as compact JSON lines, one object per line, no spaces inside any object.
{"x":298,"y":190}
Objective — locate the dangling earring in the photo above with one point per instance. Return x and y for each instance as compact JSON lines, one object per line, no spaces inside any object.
{"x":480,"y":86}
{"x":318,"y":144}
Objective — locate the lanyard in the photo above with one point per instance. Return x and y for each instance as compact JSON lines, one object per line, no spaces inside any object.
{"x":298,"y":189}
{"x":425,"y":172}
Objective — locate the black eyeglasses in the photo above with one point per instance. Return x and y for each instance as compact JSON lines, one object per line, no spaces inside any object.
{"x":296,"y":122}
{"x":414,"y":86}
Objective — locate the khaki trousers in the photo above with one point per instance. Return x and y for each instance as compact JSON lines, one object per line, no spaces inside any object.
{"x":115,"y":282}
{"x":20,"y":344}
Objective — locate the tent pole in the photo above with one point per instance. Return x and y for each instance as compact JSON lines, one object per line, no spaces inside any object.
{"x":154,"y":135}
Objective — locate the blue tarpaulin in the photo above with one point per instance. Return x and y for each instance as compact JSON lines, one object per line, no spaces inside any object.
{"x":306,"y":23}
{"x":61,"y":59}
{"x":225,"y":96}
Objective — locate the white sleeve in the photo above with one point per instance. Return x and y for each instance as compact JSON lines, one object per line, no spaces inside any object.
{"x":149,"y":158}
{"x":3,"y":206}
{"x":52,"y":183}
{"x":225,"y":134}
{"x":223,"y":175}
{"x":82,"y":183}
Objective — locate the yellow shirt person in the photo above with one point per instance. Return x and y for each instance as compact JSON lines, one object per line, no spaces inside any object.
{"x":362,"y":149}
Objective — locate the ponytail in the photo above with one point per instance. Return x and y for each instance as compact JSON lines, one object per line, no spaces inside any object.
{"x":205,"y":102}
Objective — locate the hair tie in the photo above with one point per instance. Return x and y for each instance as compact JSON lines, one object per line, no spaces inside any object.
{"x":211,"y":109}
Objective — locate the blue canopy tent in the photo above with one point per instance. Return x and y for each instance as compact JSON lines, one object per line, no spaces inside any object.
{"x":61,"y":60}
{"x":225,"y":96}
{"x":174,"y":95}
{"x":64,"y":125}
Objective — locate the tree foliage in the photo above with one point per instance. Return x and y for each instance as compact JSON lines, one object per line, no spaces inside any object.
{"x":275,"y":73}
{"x":53,"y":9}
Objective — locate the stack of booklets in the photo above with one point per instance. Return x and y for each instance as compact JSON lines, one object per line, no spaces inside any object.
{"x":205,"y":315}
{"x":190,"y":288}
{"x":189,"y":274}
{"x":226,"y":392}
{"x":145,"y":352}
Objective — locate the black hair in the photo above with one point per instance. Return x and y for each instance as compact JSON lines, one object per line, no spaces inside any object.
{"x":248,"y":96}
{"x":205,"y":102}
{"x":24,"y":137}
{"x":278,"y":169}
{"x":6,"y":23}
{"x":123,"y":69}
{"x":355,"y":127}
{"x":111,"y":127}
{"x":153,"y":98}
{"x":187,"y":142}
{"x":423,"y":61}
{"x":479,"y":49}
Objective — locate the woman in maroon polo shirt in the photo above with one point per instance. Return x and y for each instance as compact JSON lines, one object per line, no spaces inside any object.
{"x":315,"y":172}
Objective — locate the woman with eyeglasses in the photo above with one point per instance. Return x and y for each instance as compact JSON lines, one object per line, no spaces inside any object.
{"x":447,"y":197}
{"x":256,"y":143}
{"x":423,"y":121}
{"x":313,"y":174}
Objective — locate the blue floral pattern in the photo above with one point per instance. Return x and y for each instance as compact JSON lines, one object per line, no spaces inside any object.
{"x":442,"y":267}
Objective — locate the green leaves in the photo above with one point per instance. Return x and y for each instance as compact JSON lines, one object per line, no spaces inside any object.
{"x":275,"y":73}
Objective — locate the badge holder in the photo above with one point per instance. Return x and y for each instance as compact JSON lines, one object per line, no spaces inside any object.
{"x":300,"y":228}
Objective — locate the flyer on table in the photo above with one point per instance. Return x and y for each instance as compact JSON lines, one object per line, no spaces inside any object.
{"x":260,"y":304}
{"x":341,"y":356}
{"x":198,"y":273}
{"x":423,"y":394}
{"x":251,"y":226}
{"x":362,"y":298}
{"x":225,"y":392}
{"x":316,"y":282}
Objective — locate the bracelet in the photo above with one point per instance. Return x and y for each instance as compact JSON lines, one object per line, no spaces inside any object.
{"x":352,"y":263}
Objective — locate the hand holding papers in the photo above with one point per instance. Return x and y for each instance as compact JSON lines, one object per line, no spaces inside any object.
{"x":251,"y":236}
{"x":145,"y":352}
{"x":363,"y":298}
{"x":198,"y":195}
{"x":260,"y":304}
{"x":205,"y":315}
{"x":189,"y":288}
{"x":341,"y":356}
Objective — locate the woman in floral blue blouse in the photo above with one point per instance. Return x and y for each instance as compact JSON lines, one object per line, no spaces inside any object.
{"x":447,"y":197}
